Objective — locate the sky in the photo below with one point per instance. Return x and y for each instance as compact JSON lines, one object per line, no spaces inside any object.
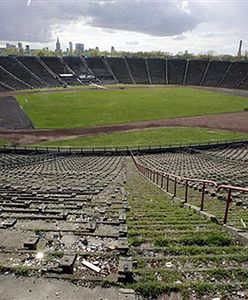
{"x":128,"y":25}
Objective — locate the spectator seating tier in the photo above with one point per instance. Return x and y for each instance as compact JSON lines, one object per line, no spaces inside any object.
{"x":157,"y":70}
{"x":138,"y":70}
{"x":34,"y":66}
{"x":12,"y":65}
{"x":176,"y":69}
{"x":195,"y":72}
{"x":118,"y":67}
{"x":216,"y":71}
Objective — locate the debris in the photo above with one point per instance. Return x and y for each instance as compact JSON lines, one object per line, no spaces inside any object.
{"x":84,"y":242}
{"x":67,"y":263}
{"x":125,"y":269}
{"x":243,"y":223}
{"x":31,"y":242}
{"x":169,"y":264}
{"x":91,"y":266}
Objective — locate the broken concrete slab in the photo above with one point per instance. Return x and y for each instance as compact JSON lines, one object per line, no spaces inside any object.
{"x":67,"y":263}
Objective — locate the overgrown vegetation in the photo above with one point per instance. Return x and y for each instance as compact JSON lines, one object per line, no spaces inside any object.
{"x":176,"y":250}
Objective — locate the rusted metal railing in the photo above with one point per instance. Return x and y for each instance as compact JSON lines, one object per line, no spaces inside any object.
{"x":153,"y":175}
{"x":229,"y":189}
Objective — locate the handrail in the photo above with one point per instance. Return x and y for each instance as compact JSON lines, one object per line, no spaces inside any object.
{"x":230,"y":188}
{"x":153,"y":175}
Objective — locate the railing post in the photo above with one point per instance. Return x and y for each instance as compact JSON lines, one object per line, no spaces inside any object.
{"x":203,"y":195}
{"x":186,"y":191}
{"x":228,"y":200}
{"x":167,"y":183}
{"x":157,"y":179}
{"x":162,"y":180}
{"x":175,"y":187}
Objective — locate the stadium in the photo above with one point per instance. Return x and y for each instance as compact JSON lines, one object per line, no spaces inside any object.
{"x":123,"y":178}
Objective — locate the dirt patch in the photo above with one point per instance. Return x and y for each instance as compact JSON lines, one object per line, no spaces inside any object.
{"x":227,"y":121}
{"x":12,"y":116}
{"x":22,"y":288}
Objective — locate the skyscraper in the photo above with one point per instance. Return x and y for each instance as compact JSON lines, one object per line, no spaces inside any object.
{"x":79,"y":47}
{"x":27,"y":49}
{"x":58,"y":48}
{"x":70,"y":47}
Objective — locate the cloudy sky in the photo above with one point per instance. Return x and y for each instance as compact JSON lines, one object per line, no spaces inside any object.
{"x":135,"y":25}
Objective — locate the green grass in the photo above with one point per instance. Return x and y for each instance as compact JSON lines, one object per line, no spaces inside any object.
{"x":196,"y":259}
{"x":161,"y":136}
{"x":87,"y":108}
{"x":3,"y":142}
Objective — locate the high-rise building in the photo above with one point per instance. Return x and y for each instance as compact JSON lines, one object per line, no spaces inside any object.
{"x":20,"y":49}
{"x":27,"y":49}
{"x":79,"y":47}
{"x":112,"y":49}
{"x":9,"y":46}
{"x":58,"y":47}
{"x":70,"y":47}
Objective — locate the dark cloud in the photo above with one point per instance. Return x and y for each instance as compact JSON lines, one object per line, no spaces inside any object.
{"x":34,"y":23}
{"x":156,"y":18}
{"x":18,"y":21}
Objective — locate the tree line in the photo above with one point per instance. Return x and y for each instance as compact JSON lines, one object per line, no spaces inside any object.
{"x":151,"y":54}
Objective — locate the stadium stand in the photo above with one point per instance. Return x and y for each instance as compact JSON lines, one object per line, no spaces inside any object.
{"x":55,"y":64}
{"x":97,"y":65}
{"x":195,"y":72}
{"x":10,"y":80}
{"x":176,"y":70}
{"x":216,"y":72}
{"x":5,"y":87}
{"x":119,"y":68}
{"x":37,"y":72}
{"x":12,"y":65}
{"x":244,"y":83}
{"x":157,"y":70}
{"x":78,"y":67}
{"x":138,"y":70}
{"x":33,"y":64}
{"x":236,"y":73}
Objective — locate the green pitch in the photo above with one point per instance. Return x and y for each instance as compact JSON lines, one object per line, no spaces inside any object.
{"x":3,"y":142}
{"x":160,"y":136}
{"x":87,"y":108}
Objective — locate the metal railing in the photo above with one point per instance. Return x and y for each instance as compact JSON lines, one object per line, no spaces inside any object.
{"x":165,"y":178}
{"x":229,"y":189}
{"x":123,"y":149}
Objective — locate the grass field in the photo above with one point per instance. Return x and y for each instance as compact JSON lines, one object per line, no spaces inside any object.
{"x":3,"y":142}
{"x":87,"y":108}
{"x":161,"y":136}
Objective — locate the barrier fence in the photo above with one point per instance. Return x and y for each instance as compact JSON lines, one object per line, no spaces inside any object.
{"x":124,"y":149}
{"x":163,"y":181}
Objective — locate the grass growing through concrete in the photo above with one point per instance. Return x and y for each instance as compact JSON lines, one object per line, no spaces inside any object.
{"x":237,"y":214}
{"x":160,"y":136}
{"x":86,"y":108}
{"x":178,"y":251}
